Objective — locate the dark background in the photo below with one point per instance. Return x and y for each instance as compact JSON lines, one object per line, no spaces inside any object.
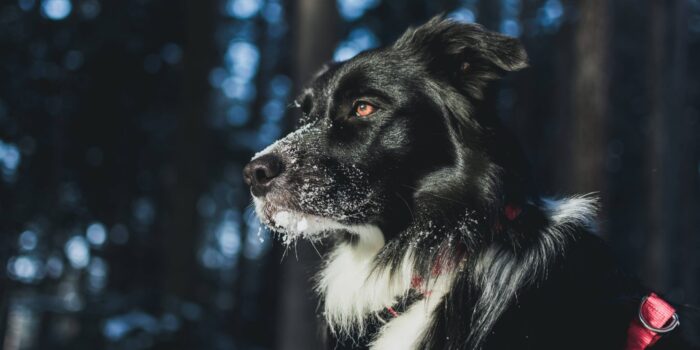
{"x":124,"y":126}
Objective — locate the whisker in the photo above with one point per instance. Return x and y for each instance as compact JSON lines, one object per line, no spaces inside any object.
{"x":314,"y":246}
{"x":410,"y":211}
{"x":296,"y":253}
{"x":284,"y":253}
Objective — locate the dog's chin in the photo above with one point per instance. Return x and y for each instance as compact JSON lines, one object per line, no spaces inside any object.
{"x":296,"y":224}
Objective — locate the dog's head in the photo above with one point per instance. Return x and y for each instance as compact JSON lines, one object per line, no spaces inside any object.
{"x":390,"y":136}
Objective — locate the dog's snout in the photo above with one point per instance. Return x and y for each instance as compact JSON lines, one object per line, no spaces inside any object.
{"x":260,"y":172}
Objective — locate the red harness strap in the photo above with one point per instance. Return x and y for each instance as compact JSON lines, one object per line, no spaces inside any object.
{"x":656,"y":317}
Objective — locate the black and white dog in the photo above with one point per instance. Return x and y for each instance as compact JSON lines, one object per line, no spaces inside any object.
{"x":439,"y":242}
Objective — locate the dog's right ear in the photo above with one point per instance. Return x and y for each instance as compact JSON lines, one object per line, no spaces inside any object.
{"x":467,"y":54}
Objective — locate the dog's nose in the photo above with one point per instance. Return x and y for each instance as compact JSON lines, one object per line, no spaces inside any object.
{"x":260,"y":172}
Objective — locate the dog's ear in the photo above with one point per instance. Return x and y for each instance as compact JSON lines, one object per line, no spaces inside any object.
{"x":465,"y":53}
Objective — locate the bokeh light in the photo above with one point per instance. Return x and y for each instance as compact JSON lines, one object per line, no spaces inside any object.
{"x":359,"y":39}
{"x":77,"y":252}
{"x":354,"y":9}
{"x":56,"y":9}
{"x":244,"y":9}
{"x":96,"y":234}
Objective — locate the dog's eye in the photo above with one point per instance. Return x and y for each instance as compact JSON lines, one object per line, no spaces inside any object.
{"x":363,"y":109}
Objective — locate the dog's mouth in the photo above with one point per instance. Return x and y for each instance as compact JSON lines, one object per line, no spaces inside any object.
{"x":294,"y":223}
{"x":308,"y":202}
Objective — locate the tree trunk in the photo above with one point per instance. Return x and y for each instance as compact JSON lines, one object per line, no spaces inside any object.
{"x":590,"y":97}
{"x":670,"y":140}
{"x":182,"y":223}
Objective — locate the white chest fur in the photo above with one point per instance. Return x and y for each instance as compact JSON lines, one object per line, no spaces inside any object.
{"x":406,"y":331}
{"x":352,"y":290}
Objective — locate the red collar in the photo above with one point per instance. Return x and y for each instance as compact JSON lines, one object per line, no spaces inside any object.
{"x":656,"y":317}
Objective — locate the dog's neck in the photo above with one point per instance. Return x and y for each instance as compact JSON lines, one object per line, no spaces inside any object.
{"x":363,"y":275}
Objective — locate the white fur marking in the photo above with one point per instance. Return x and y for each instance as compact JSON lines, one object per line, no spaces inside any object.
{"x":406,"y":331}
{"x":572,"y":210}
{"x":342,"y":282}
{"x":352,"y":289}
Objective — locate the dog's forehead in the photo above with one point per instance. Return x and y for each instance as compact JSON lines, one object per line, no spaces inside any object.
{"x":376,"y":68}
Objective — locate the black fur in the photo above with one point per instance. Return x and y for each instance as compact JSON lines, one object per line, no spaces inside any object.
{"x":435,"y":175}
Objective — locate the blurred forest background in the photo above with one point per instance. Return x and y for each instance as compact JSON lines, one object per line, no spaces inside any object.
{"x":124,"y":126}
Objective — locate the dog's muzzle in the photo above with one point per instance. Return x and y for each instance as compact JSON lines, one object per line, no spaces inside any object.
{"x":261,"y":172}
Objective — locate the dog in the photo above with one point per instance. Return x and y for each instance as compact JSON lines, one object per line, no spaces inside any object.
{"x":439,"y":240}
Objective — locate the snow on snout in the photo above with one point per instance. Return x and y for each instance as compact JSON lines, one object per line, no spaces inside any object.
{"x":319,"y":193}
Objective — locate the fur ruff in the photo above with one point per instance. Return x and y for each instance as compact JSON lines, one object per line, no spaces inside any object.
{"x":355,"y":284}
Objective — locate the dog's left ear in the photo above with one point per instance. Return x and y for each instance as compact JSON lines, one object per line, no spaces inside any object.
{"x":465,"y":53}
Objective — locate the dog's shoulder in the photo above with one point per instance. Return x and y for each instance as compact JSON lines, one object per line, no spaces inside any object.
{"x":583,"y":301}
{"x":587,"y":301}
